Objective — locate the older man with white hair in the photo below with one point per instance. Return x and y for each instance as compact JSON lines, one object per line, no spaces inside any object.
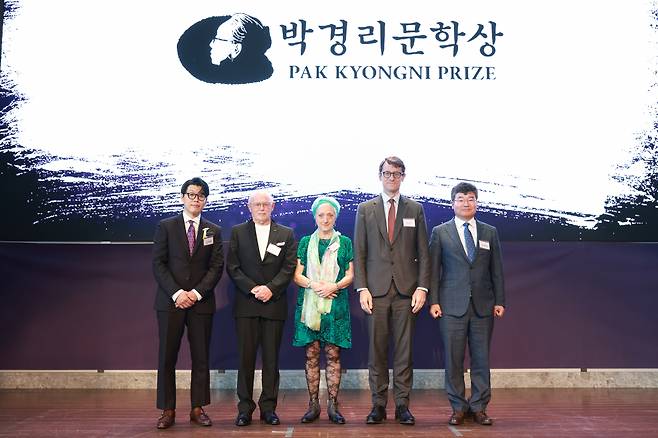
{"x":261,"y":262}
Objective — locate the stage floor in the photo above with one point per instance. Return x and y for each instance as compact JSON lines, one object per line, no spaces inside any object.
{"x":516,"y":412}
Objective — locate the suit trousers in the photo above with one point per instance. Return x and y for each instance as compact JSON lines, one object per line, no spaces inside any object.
{"x":254,"y":332}
{"x":456,"y":332}
{"x":171,"y":326}
{"x":391,"y":318}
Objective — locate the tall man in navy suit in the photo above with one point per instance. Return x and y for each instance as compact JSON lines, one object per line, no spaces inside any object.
{"x":467,"y":290}
{"x":391,"y":266}
{"x":187,"y":264}
{"x":261,"y":261}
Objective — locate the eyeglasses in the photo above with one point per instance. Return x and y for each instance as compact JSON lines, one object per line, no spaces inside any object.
{"x":221,"y":40}
{"x":261,"y":204}
{"x":395,"y":175}
{"x":200,"y":196}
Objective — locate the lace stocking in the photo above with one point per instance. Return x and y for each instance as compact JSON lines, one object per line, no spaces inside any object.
{"x":313,"y":369}
{"x":332,"y":354}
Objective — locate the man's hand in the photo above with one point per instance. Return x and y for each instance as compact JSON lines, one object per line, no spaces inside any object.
{"x":418,"y":300}
{"x":435,"y":311}
{"x":365,"y":299}
{"x":262,"y":293}
{"x":183,"y":300}
{"x":499,"y":311}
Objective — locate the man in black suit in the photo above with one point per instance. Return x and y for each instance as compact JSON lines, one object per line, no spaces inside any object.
{"x":391,"y":265}
{"x":187,"y":264}
{"x":467,"y":290}
{"x":261,"y":262}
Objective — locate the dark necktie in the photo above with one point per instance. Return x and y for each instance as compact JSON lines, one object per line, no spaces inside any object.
{"x":391,"y":219}
{"x":470,"y":244}
{"x":190,"y":237}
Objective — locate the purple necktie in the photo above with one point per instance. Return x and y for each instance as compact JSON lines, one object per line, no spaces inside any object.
{"x":190,"y":236}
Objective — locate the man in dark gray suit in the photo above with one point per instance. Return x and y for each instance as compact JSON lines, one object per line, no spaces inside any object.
{"x":467,"y":290}
{"x":391,"y":265}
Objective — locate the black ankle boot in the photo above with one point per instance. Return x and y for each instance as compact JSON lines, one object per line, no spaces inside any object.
{"x":313,"y":411}
{"x":332,"y":411}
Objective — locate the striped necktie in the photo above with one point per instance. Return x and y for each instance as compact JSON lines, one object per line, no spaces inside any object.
{"x":470,"y":244}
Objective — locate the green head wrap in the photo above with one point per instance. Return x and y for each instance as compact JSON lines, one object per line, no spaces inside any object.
{"x":325,"y":200}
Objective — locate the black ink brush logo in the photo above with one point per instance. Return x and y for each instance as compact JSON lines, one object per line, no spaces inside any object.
{"x":229,"y":49}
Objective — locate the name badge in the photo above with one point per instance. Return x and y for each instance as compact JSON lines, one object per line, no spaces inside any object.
{"x":273,"y":249}
{"x":408,"y":222}
{"x":484,"y":244}
{"x":208,"y":241}
{"x":334,"y":247}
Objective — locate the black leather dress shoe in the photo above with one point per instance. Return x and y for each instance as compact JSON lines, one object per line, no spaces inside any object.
{"x":243,"y":419}
{"x":376,"y":415}
{"x":482,"y":418}
{"x":403,"y":416}
{"x":270,"y":417}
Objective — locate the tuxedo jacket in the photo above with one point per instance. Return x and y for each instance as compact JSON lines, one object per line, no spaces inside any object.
{"x":455,"y":279}
{"x":378,"y":261}
{"x":247,"y":270}
{"x":174,"y":268}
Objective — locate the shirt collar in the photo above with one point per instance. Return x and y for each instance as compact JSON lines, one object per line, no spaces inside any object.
{"x":386,"y":198}
{"x":460,"y":222}
{"x":262,"y":227}
{"x":187,"y":218}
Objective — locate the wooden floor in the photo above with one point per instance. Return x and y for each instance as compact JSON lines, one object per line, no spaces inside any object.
{"x":516,"y":412}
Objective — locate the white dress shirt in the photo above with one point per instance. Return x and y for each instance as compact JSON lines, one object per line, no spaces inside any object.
{"x":263,"y":237}
{"x":187,"y":218}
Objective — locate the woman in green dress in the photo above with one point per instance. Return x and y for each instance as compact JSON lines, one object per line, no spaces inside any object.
{"x":322,"y":317}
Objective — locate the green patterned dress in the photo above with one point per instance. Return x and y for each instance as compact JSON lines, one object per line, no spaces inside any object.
{"x":335,"y":326}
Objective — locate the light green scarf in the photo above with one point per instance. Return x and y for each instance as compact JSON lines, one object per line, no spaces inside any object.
{"x":314,"y":305}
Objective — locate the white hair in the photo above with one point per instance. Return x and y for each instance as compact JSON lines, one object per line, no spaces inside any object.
{"x":237,"y":22}
{"x":260,"y":192}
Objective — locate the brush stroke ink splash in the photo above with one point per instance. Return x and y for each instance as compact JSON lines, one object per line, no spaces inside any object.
{"x":99,"y":132}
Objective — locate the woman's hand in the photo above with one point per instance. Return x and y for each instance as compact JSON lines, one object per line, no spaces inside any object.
{"x":326,"y":289}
